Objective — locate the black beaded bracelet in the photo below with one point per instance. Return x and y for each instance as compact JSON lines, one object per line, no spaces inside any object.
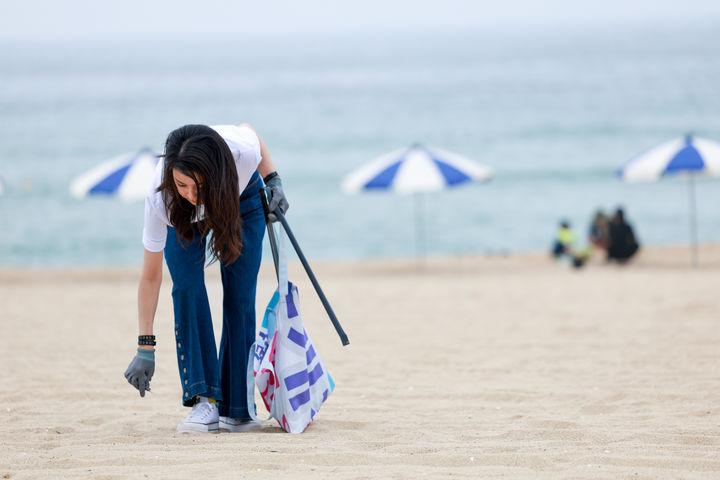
{"x":270,"y":176}
{"x":146,"y":340}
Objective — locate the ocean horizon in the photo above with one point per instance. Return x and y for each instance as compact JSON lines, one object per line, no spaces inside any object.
{"x":553,"y":112}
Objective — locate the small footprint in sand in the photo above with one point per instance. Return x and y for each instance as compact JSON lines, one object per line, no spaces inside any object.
{"x":346,"y":424}
{"x":94,"y":421}
{"x":598,"y":409}
{"x":555,"y":424}
{"x":61,"y":430}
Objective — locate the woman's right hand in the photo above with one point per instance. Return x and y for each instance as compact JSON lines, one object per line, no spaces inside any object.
{"x":141,"y":369}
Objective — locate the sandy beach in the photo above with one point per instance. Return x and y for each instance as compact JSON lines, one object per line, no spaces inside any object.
{"x":476,"y":367}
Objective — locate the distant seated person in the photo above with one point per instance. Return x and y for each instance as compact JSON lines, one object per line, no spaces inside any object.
{"x":564,"y":245}
{"x":564,"y":240}
{"x":598,"y":234}
{"x":622,"y":244}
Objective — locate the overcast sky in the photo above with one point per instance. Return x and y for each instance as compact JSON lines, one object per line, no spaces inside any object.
{"x":29,"y":19}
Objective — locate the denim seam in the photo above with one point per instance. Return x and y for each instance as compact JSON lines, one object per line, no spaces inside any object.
{"x":189,"y":387}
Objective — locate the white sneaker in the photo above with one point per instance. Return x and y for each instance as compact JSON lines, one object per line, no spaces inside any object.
{"x":236,"y":425}
{"x":203,"y":418}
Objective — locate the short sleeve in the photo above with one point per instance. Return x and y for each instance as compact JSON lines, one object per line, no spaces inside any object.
{"x":245,"y":147}
{"x":154,"y":230}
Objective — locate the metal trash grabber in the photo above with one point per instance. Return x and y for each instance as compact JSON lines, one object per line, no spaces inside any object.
{"x":303,"y":260}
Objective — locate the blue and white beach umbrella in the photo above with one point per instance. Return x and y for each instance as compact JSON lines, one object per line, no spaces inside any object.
{"x":128,"y":177}
{"x":416,"y":170}
{"x":689,"y":157}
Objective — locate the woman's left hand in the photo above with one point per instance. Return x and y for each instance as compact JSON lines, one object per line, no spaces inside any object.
{"x":276,"y":198}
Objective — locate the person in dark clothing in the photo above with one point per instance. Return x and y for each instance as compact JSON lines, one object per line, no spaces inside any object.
{"x":622,"y":243}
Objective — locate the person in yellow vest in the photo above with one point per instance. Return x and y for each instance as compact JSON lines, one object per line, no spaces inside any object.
{"x":564,"y":246}
{"x":564,"y":240}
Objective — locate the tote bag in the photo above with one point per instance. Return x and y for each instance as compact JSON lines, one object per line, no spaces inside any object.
{"x":292,"y":379}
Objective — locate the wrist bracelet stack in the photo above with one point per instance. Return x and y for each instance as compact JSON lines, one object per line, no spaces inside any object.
{"x":147,"y":340}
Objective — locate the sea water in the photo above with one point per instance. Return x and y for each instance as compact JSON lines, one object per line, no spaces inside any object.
{"x":553,"y":113}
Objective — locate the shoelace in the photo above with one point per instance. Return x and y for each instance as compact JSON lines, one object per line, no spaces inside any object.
{"x":201,"y":411}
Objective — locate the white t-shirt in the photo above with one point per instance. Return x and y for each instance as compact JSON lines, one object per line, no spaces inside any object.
{"x":245,"y":147}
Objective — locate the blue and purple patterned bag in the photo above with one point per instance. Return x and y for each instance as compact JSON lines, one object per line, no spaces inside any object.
{"x":292,"y":379}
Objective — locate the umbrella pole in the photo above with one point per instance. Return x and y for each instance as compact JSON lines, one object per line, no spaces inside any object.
{"x":693,"y":220}
{"x":419,"y":226}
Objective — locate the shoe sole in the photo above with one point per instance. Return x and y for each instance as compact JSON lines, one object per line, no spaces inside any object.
{"x":243,"y":427}
{"x":198,"y":428}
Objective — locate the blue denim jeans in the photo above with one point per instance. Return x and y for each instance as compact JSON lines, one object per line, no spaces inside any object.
{"x":201,"y":371}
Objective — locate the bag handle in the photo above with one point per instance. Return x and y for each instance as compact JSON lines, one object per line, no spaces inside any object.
{"x":251,"y":407}
{"x":283,"y":286}
{"x":270,"y":230}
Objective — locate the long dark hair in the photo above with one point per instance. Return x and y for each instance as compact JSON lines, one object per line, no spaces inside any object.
{"x":200,"y":152}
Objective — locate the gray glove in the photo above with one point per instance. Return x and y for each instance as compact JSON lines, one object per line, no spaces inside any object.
{"x":276,"y":198}
{"x":141,"y":369}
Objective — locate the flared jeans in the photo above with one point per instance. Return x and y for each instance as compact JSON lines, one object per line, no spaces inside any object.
{"x":202,"y":371}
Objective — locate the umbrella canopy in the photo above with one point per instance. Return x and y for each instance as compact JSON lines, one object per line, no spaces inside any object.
{"x":689,"y":155}
{"x":415,"y":170}
{"x":128,"y":177}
